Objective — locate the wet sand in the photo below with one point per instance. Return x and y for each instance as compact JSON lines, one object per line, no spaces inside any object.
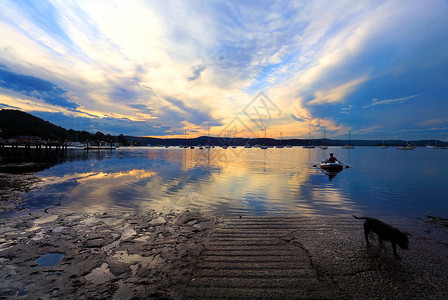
{"x":105,"y":255}
{"x":177,"y":255}
{"x":11,"y":188}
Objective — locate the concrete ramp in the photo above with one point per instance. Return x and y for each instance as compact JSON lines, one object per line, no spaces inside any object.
{"x":254,"y":257}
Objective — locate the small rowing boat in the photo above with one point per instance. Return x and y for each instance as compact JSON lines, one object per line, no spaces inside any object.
{"x":331,"y":166}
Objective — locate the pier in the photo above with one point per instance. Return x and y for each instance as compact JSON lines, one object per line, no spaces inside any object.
{"x":29,"y":146}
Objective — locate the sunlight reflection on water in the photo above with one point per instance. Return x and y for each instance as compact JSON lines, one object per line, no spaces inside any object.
{"x":250,"y":181}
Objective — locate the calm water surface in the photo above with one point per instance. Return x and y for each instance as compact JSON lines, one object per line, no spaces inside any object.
{"x":380,"y":182}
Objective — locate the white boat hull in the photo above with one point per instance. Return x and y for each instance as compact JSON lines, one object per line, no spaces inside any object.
{"x":335,"y":167}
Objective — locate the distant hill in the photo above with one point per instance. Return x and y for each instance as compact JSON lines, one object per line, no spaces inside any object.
{"x":16,"y":123}
{"x":220,"y":141}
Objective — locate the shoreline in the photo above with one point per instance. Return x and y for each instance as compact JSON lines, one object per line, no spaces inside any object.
{"x":123,"y":255}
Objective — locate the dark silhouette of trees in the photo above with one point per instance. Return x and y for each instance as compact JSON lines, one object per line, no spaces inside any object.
{"x":18,"y":123}
{"x":122,"y":140}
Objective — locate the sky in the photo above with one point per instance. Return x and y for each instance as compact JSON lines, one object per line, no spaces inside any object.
{"x":280,"y":69}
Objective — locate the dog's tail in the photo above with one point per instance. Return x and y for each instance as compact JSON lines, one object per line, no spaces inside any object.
{"x":362,"y":218}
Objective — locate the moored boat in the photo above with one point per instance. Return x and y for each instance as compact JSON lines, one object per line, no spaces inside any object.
{"x":407,"y":147}
{"x":309,"y":146}
{"x":348,"y":146}
{"x":322,"y":145}
{"x":383,"y":146}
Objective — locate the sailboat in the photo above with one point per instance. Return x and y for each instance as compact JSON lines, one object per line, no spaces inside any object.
{"x":309,"y":142}
{"x":281,"y":142}
{"x":234,"y":138}
{"x":443,"y":140}
{"x":191,"y":146}
{"x":430,"y":146}
{"x":349,"y":140}
{"x":408,"y":145}
{"x":322,"y":146}
{"x":225,"y":146}
{"x":208,"y":137}
{"x":185,"y":139}
{"x":264,"y":147}
{"x":384,"y":145}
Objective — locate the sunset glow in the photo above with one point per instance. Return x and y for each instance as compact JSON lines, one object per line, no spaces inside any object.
{"x":163,"y":68}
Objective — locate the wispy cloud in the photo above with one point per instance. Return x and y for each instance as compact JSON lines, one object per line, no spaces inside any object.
{"x":390,"y":101}
{"x":345,"y":110}
{"x":6,"y":106}
{"x":435,"y":122}
{"x":196,"y":72}
{"x":338,"y":93}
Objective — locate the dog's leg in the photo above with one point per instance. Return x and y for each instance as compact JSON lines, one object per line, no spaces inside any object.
{"x":394,"y":247}
{"x":366,"y":232}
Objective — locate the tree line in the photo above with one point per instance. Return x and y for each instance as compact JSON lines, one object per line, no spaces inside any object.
{"x":15,"y":123}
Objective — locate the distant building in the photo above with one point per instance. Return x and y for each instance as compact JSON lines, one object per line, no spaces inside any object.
{"x":51,"y":141}
{"x":26,"y":139}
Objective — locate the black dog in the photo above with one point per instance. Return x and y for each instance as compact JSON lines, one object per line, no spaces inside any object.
{"x":385,"y":232}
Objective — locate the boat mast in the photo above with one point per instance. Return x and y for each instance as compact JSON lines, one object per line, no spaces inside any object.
{"x":208,"y":133}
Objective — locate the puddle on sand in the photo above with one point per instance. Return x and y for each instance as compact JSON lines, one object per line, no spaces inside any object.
{"x":46,"y":219}
{"x":125,"y":257}
{"x":58,"y":229}
{"x":42,"y":220}
{"x":49,"y":259}
{"x":100,"y":275}
{"x":124,"y":291}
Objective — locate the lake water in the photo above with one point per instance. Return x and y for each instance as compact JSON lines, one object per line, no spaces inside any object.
{"x":232,"y":182}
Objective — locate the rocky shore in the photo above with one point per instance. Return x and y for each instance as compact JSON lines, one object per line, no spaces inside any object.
{"x":113,"y":255}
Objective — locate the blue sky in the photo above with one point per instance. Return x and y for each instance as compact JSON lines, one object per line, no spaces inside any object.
{"x":158,"y":68}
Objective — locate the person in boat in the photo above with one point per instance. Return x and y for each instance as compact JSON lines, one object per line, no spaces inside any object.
{"x":332,"y":159}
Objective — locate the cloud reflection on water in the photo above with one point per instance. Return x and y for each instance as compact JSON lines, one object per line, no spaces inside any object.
{"x":225,"y":182}
{"x":247,"y":182}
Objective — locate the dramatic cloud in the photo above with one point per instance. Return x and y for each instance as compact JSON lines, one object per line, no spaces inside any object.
{"x":160,"y":67}
{"x":37,"y":88}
